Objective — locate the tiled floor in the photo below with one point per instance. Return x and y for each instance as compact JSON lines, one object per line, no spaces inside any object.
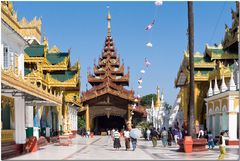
{"x":100,"y":148}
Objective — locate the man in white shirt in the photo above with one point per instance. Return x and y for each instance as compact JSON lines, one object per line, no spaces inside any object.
{"x":126,"y":134}
{"x":148,"y":134}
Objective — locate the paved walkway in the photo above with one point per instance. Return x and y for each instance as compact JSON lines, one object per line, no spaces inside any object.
{"x":100,"y":148}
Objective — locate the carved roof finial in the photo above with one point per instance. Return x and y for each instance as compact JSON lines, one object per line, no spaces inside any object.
{"x":45,"y":43}
{"x":109,"y":21}
{"x":158,"y":101}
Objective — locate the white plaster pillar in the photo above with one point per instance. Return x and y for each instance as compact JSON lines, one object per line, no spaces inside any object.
{"x":20,"y":132}
{"x":207,"y":114}
{"x":213,"y":123}
{"x":220,"y":115}
{"x":76,"y":118}
{"x":232,"y":126}
{"x":21,"y":64}
{"x":29,"y":116}
{"x":232,"y":120}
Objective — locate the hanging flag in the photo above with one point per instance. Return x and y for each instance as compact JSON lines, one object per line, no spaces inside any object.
{"x":147,"y":63}
{"x":149,"y":45}
{"x":142,"y":71}
{"x":158,"y":3}
{"x":140,"y":81}
{"x":150,"y":25}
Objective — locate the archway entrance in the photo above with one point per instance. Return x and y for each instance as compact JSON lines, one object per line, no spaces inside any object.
{"x":103,"y":123}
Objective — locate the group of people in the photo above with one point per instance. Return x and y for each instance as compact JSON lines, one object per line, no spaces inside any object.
{"x":167,"y":136}
{"x":212,"y":142}
{"x":84,"y":133}
{"x":116,"y":136}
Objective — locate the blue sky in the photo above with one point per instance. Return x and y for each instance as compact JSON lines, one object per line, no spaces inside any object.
{"x":82,"y":26}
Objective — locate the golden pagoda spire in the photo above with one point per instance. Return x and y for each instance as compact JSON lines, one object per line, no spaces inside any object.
{"x":109,"y":21}
{"x":158,"y":101}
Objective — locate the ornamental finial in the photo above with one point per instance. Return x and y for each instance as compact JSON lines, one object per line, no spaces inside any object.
{"x":158,"y":101}
{"x":109,"y":20}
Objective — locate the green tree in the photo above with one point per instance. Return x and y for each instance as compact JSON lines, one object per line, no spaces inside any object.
{"x":147,"y":99}
{"x":81,"y":122}
{"x":167,"y":106}
{"x":143,"y":125}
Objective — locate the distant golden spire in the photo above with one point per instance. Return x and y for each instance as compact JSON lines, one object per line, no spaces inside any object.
{"x":109,"y":21}
{"x":158,"y":101}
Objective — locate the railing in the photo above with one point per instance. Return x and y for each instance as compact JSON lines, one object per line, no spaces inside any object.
{"x":7,"y":135}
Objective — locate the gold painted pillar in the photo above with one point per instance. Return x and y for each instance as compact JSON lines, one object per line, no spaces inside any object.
{"x":129,"y":112}
{"x":59,"y":110}
{"x":129,"y":122}
{"x":185,"y":102}
{"x":87,"y":118}
{"x":196,"y":104}
{"x":65,"y":122}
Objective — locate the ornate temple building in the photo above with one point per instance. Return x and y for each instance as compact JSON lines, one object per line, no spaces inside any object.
{"x":51,"y":69}
{"x":39,"y":88}
{"x":215,"y":107}
{"x":108,"y":104}
{"x":222,"y":101}
{"x":16,"y":91}
{"x":158,"y":115}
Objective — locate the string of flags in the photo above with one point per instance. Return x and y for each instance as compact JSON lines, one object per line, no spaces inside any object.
{"x":150,"y":26}
{"x":149,"y":45}
{"x":142,"y":72}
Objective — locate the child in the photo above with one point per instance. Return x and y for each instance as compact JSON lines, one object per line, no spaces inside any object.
{"x":210,"y":140}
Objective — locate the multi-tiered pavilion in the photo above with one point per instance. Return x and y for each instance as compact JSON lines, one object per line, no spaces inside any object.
{"x":108,"y":104}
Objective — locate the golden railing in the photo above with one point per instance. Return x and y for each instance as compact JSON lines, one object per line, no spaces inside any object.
{"x":7,"y":135}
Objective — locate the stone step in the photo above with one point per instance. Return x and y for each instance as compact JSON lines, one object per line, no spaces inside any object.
{"x":9,"y":150}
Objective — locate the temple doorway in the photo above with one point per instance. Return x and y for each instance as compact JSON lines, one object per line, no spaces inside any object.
{"x":103,"y":123}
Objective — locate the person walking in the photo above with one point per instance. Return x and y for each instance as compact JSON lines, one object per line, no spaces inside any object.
{"x":112,"y":134}
{"x":134,"y":143}
{"x":210,"y":140}
{"x":148,"y":134}
{"x":116,"y":143}
{"x":176,"y":137}
{"x":154,"y":135}
{"x":222,"y":145}
{"x":126,"y":134}
{"x":164,"y":136}
{"x":170,"y":137}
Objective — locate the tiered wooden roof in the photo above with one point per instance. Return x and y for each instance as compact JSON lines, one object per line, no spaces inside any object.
{"x":52,"y":68}
{"x":109,"y":67}
{"x":108,"y":76}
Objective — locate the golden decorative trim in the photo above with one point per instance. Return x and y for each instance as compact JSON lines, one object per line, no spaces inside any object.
{"x":23,"y":27}
{"x":29,"y":59}
{"x":56,"y":83}
{"x":220,"y":71}
{"x":59,"y":66}
{"x":11,"y":79}
{"x":7,"y":100}
{"x":69,"y":97}
{"x":7,"y":135}
{"x":232,"y":113}
{"x":54,"y":49}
